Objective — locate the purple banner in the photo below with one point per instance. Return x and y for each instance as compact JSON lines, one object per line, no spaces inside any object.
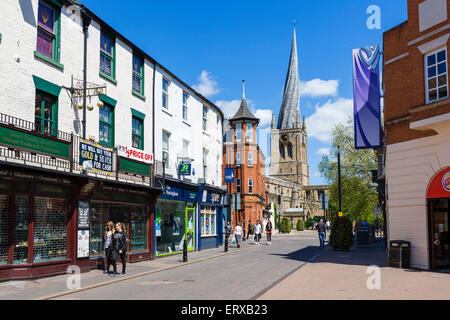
{"x":366,"y":97}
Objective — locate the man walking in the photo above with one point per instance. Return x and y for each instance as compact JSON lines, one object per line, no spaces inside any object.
{"x":250,"y":228}
{"x":238,"y":234}
{"x":321,"y":229}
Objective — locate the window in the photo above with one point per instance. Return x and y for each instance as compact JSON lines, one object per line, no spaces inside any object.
{"x":185,"y":107}
{"x":107,"y":56}
{"x":436,"y":76}
{"x":250,"y":185}
{"x":205,"y":163}
{"x":137,"y":133}
{"x":249,"y":132}
{"x":48,"y":33}
{"x":250,"y":159}
{"x":138,"y":76}
{"x":208,"y":220}
{"x":238,"y":158}
{"x":205,"y":118}
{"x":106,"y":125}
{"x":46,"y":111}
{"x":238,"y":185}
{"x":289,"y":150}
{"x":165,"y":93}
{"x":165,"y":148}
{"x":238,"y":132}
{"x":282,"y":150}
{"x":185,"y":148}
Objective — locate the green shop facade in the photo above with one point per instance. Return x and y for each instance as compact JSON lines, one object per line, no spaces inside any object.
{"x":54,"y":207}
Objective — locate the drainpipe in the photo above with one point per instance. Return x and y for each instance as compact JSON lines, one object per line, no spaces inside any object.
{"x":153,"y":124}
{"x":86,"y":23}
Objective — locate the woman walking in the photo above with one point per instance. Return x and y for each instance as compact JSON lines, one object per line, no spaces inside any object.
{"x":269,"y":232}
{"x":238,"y":234}
{"x":107,"y":241}
{"x":120,"y":245}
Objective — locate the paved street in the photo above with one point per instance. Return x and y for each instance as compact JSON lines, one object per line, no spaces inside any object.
{"x":242,"y":274}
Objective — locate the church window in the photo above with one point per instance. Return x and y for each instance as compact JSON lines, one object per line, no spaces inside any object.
{"x":289,"y":149}
{"x":282,"y":154}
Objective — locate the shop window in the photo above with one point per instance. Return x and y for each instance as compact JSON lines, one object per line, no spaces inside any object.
{"x":4,"y":223}
{"x":208,"y":220}
{"x":22,"y":211}
{"x":45,"y":113}
{"x":98,"y":215}
{"x":436,"y":76}
{"x":138,"y":228}
{"x":50,"y":229}
{"x":170,"y":226}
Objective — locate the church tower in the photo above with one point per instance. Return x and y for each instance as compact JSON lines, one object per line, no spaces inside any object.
{"x":288,"y":141}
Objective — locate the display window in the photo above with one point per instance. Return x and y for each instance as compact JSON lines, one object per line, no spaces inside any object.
{"x":170,"y":224}
{"x":4,"y":223}
{"x":50,"y":229}
{"x":208,"y":220}
{"x":22,"y":213}
{"x":138,"y":228}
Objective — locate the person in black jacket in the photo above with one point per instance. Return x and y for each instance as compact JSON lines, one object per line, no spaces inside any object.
{"x":120,"y":246}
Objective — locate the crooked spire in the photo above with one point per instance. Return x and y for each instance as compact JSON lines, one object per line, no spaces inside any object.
{"x":291,"y":96}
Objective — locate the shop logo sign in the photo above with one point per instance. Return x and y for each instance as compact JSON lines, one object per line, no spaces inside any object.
{"x":184,"y":169}
{"x":446,"y":181}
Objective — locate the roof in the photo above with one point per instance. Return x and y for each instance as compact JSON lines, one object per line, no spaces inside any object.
{"x":244,"y":113}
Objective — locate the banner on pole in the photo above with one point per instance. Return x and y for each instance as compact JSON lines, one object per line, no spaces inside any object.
{"x":366,"y":97}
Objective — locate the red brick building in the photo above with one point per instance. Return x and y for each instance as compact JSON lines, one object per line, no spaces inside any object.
{"x":241,"y":152}
{"x":417,"y":126}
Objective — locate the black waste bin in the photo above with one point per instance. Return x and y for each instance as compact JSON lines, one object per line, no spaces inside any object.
{"x":399,"y":253}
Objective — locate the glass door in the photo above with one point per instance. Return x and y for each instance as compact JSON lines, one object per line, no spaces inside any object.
{"x":440,"y":233}
{"x":190,"y":228}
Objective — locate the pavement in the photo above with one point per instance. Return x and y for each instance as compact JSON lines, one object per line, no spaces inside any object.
{"x":345,"y":275}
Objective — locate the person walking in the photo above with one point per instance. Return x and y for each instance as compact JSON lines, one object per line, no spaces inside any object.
{"x":269,"y":232}
{"x":321,"y":229}
{"x":107,"y":245}
{"x":257,"y":231}
{"x":262,"y":230}
{"x":328,"y":225}
{"x":250,"y":229}
{"x":120,"y":246}
{"x":238,"y":234}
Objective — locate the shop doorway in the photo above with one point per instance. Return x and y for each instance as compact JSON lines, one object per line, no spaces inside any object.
{"x":190,"y":228}
{"x":439,"y":211}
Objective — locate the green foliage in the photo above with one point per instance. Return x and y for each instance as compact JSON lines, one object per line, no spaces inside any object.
{"x":300,"y":225}
{"x":309,"y":223}
{"x":359,"y":195}
{"x":285,"y":226}
{"x":341,"y":236}
{"x":316,"y":219}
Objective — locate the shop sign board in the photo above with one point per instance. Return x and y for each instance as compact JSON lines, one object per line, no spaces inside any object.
{"x":83,"y":215}
{"x":24,"y":140}
{"x":135,"y":154}
{"x":95,"y":157}
{"x":134,"y":167}
{"x":229,"y":175}
{"x":83,"y":244}
{"x":440,"y":185}
{"x":184,"y":168}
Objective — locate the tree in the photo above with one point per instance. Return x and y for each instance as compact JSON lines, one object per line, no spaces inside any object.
{"x":359,"y":195}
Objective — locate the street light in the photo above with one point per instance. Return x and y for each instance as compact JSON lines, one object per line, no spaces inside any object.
{"x":339,"y":181}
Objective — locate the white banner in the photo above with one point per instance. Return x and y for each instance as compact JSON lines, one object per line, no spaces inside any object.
{"x":134,"y":154}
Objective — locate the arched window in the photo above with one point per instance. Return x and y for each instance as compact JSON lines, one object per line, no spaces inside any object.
{"x":289,"y":149}
{"x":282,"y":154}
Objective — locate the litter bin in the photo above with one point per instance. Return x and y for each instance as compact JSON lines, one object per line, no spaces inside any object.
{"x":399,"y":253}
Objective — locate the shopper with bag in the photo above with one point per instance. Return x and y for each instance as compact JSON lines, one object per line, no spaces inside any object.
{"x":238,"y":234}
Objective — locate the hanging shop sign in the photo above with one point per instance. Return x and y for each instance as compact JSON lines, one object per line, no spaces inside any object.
{"x":211,"y":197}
{"x":184,"y":169}
{"x":35,"y":143}
{"x":95,"y":157}
{"x":83,"y":215}
{"x":134,"y":154}
{"x":229,"y":175}
{"x":83,"y":244}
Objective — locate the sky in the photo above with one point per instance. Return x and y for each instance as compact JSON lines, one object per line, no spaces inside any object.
{"x":214,"y":45}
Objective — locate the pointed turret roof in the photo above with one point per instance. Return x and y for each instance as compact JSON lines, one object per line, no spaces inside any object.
{"x":291,"y":96}
{"x":244,"y":112}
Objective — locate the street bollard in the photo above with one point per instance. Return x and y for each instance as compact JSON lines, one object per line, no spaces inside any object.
{"x":226,"y":244}
{"x":185,"y":251}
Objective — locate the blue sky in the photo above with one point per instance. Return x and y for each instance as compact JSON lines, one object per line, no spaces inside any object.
{"x":214,"y":45}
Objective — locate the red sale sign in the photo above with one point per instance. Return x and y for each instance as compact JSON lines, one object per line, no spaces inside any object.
{"x":135,"y":154}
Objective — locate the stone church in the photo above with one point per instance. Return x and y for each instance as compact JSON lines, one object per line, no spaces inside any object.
{"x":287,"y":186}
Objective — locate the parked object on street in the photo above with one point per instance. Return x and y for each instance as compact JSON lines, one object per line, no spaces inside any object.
{"x":238,"y":234}
{"x":363,"y":237}
{"x":399,"y":254}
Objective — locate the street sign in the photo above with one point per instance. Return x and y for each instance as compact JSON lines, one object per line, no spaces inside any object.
{"x":229,"y":175}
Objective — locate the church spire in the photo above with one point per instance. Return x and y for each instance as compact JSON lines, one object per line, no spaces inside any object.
{"x":291,"y":96}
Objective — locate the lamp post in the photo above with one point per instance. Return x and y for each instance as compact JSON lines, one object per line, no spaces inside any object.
{"x":339,"y":181}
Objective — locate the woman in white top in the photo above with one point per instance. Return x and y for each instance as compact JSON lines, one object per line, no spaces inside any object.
{"x":238,"y":234}
{"x":107,"y":240}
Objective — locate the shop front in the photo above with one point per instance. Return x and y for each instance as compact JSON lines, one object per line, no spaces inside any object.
{"x":210,"y":211}
{"x":438,"y":220}
{"x":175,"y":218}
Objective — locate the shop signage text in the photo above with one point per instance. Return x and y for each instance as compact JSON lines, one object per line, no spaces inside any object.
{"x":229,"y":175}
{"x":135,"y":154}
{"x":446,"y":181}
{"x":83,"y":215}
{"x":184,"y":169}
{"x":134,"y":167}
{"x":95,"y":157}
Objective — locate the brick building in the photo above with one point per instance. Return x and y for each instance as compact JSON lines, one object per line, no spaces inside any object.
{"x":417,"y":127}
{"x":241,"y":152}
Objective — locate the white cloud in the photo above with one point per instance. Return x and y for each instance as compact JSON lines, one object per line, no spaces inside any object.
{"x":319,"y":88}
{"x":207,"y":86}
{"x":229,"y":108}
{"x":321,"y":123}
{"x":323,"y":151}
{"x":265,"y":117}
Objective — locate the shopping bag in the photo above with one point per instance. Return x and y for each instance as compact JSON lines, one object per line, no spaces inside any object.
{"x":233,"y":240}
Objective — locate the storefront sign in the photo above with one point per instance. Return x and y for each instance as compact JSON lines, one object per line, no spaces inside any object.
{"x":134,"y":167}
{"x":83,"y":244}
{"x":50,"y":189}
{"x":446,"y":181}
{"x":83,"y":215}
{"x":135,"y":154}
{"x":14,"y":138}
{"x":440,"y":185}
{"x":184,"y":169}
{"x":190,"y":195}
{"x":95,"y":157}
{"x":173,"y":193}
{"x":229,"y":175}
{"x":211,"y":197}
